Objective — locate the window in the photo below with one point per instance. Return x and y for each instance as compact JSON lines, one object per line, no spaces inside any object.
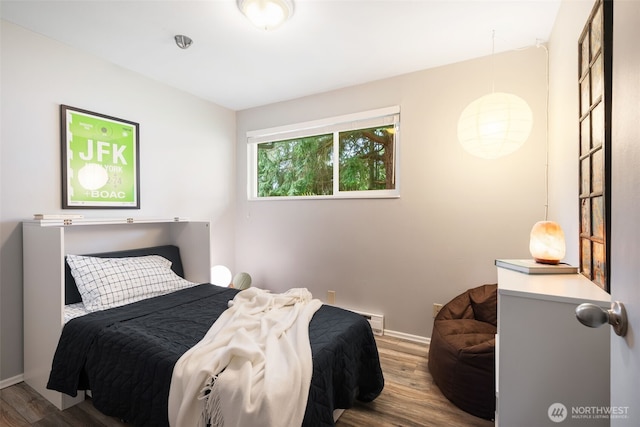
{"x":353,"y":156}
{"x":594,"y":173}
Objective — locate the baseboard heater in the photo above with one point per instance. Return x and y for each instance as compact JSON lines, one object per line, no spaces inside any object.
{"x":375,"y":320}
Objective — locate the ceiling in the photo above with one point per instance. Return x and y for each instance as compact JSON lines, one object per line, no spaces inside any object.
{"x":326,"y":45}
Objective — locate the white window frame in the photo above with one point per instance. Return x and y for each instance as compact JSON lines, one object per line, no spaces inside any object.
{"x":362,"y":120}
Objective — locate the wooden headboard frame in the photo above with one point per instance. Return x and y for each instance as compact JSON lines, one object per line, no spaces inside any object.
{"x":45,"y":245}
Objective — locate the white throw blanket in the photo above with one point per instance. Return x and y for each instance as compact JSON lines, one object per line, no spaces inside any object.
{"x":252,"y":368}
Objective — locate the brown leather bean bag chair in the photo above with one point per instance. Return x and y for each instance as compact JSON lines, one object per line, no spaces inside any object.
{"x":462,"y":350}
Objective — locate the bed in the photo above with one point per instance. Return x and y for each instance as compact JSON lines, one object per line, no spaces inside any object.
{"x":125,"y":355}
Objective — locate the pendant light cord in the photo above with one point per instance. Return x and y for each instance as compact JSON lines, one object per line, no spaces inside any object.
{"x":493,"y":60}
{"x":546,"y":154}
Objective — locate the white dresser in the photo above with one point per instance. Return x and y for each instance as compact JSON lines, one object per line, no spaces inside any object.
{"x":548,"y":365}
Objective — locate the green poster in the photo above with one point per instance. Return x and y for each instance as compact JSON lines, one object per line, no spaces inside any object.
{"x":100,"y":168}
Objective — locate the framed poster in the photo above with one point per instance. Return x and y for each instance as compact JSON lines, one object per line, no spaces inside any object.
{"x":100,"y":160}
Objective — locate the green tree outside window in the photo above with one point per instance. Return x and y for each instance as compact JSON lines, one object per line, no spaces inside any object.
{"x":305,"y":166}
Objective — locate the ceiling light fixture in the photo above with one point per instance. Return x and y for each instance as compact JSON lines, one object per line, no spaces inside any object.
{"x":266,"y":14}
{"x":182,"y":41}
{"x":496,"y":124}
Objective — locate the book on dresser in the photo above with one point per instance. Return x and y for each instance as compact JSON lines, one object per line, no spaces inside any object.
{"x":530,"y":266}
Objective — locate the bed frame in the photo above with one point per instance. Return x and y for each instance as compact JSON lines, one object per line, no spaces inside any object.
{"x":45,"y":244}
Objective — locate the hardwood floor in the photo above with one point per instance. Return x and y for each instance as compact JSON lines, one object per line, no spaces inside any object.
{"x":22,"y":406}
{"x":409,"y":398}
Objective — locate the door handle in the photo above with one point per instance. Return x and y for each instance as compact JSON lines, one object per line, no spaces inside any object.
{"x":595,"y":316}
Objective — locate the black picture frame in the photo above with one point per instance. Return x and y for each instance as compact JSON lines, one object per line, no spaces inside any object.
{"x":595,"y":47}
{"x":100,"y":159}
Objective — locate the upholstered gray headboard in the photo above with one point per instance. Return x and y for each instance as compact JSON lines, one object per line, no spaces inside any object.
{"x":170,"y":252}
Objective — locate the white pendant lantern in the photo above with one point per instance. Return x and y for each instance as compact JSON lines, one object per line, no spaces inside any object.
{"x":495,"y":125}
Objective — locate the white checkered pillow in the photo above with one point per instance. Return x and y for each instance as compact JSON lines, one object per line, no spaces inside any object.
{"x":111,"y":282}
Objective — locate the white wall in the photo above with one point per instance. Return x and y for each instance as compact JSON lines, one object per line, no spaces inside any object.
{"x":455,"y":216}
{"x":187,"y":154}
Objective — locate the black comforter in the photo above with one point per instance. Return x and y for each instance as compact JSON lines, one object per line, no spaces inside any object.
{"x":125,"y":355}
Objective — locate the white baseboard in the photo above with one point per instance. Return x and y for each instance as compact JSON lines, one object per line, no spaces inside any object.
{"x":408,"y":337}
{"x":11,"y":381}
